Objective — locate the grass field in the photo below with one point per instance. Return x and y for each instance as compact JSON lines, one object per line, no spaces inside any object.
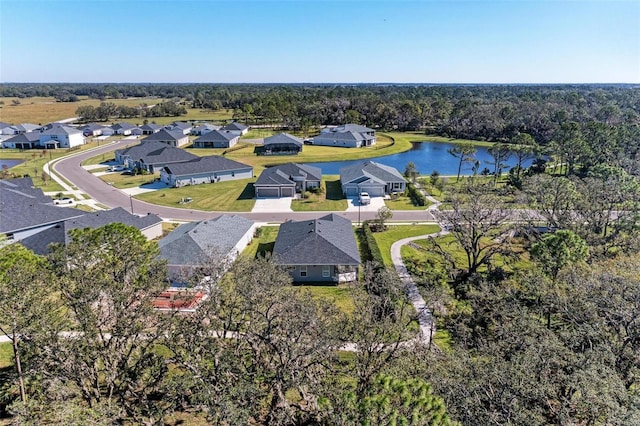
{"x":397,"y":232}
{"x":42,"y":110}
{"x":229,"y":196}
{"x":340,"y":295}
{"x":330,"y":199}
{"x":123,"y":181}
{"x":6,"y":355}
{"x":263,"y":244}
{"x":403,"y":203}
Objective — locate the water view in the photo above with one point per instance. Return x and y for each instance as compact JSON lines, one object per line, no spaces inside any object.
{"x":4,"y":163}
{"x":427,"y":156}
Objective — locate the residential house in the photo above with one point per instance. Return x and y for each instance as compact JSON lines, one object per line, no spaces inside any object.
{"x":318,"y":250}
{"x":25,"y":210}
{"x":5,"y":128}
{"x":209,"y":169}
{"x":347,"y":136}
{"x":170,"y":137}
{"x":150,"y":226}
{"x":28,"y":140}
{"x":125,"y":129}
{"x":371,"y":177}
{"x":19,"y":129}
{"x":150,"y":128}
{"x":286,"y":179}
{"x":203,"y":129}
{"x":91,"y":129}
{"x":217,"y":139}
{"x":183,"y":126}
{"x":198,"y":244}
{"x":152,"y":156}
{"x":57,"y":135}
{"x":282,"y":144}
{"x":236,"y":128}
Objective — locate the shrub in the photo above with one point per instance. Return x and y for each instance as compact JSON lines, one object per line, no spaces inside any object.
{"x":416,"y":196}
{"x":374,"y":251}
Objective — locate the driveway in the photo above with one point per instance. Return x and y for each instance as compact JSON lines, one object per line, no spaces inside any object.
{"x":149,"y":187}
{"x":353,"y":205}
{"x":272,"y":205}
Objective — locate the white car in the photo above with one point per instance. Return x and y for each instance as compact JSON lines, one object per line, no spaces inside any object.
{"x":364,"y":198}
{"x":115,"y":169}
{"x":63,"y":200}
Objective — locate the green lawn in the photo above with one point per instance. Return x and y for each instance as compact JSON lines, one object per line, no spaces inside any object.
{"x":404,"y":203}
{"x":34,"y":161}
{"x":340,"y":295}
{"x":6,"y":355}
{"x":229,"y":196}
{"x":397,"y":232}
{"x":262,"y":244}
{"x":330,"y":199}
{"x":123,"y":181}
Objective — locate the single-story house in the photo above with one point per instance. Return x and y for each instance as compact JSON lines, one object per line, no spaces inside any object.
{"x":150,"y":128}
{"x":287,"y":179}
{"x":371,"y":177}
{"x":203,"y":129}
{"x":347,"y":135}
{"x":19,"y":129}
{"x":28,"y":140}
{"x":150,"y":226}
{"x":282,"y":144}
{"x":216,"y":139}
{"x":236,"y":128}
{"x":60,"y":136}
{"x":94,"y":129}
{"x":25,"y":210}
{"x":211,"y":169}
{"x":152,"y":156}
{"x":170,"y":137}
{"x":183,"y":126}
{"x":125,"y":129}
{"x":5,"y":128}
{"x":199,"y":243}
{"x":318,"y":250}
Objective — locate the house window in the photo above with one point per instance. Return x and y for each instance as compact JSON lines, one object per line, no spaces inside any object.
{"x":326,"y":271}
{"x":397,"y":185}
{"x":303,"y":271}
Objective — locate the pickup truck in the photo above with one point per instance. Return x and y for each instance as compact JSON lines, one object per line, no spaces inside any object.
{"x":364,"y":198}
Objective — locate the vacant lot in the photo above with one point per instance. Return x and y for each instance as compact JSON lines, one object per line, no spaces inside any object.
{"x":397,"y":232}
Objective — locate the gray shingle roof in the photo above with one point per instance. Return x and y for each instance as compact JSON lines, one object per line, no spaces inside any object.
{"x":165,"y":135}
{"x":328,"y":240}
{"x":26,"y":127}
{"x":193,"y":243}
{"x":217,"y":136}
{"x":123,"y":125}
{"x":282,"y":138}
{"x":235,"y":126}
{"x":23,"y":207}
{"x":372,"y":170}
{"x":25,"y":137}
{"x":354,"y":128}
{"x":151,"y":126}
{"x":340,"y":136}
{"x":59,"y":129}
{"x":206,"y":126}
{"x":209,"y":164}
{"x":40,"y":242}
{"x":181,"y":125}
{"x":151,"y":152}
{"x":279,"y":175}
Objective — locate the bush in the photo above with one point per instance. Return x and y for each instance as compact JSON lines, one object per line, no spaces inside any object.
{"x":375,"y":255}
{"x":416,"y":196}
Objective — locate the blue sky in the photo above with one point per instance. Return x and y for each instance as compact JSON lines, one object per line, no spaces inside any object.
{"x":481,"y":41}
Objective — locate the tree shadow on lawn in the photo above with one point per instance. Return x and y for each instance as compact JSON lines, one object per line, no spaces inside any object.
{"x":334,"y":190}
{"x":248,"y":193}
{"x":265,"y":249}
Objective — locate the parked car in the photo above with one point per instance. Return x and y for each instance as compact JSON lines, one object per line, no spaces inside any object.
{"x":63,"y":200}
{"x":364,"y":198}
{"x":115,"y":169}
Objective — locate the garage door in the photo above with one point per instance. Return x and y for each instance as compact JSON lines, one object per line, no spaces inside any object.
{"x":267,"y":192}
{"x":351,"y":191}
{"x":288,"y":192}
{"x":374,"y":191}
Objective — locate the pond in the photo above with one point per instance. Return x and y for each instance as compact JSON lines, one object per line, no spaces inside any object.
{"x":427,"y":156}
{"x":9,"y":163}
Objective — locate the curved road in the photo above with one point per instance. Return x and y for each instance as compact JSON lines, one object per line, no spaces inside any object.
{"x":70,"y":168}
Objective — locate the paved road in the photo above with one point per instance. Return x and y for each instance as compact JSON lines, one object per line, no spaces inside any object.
{"x":94,"y":187}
